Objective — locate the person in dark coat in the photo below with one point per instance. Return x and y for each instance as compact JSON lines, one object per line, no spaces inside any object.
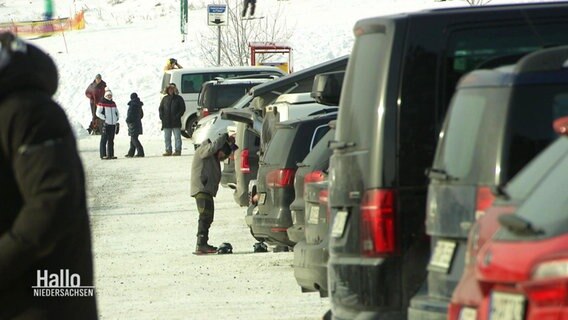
{"x":44,"y":225}
{"x":134,"y":122}
{"x":205,"y":178}
{"x":95,"y":92}
{"x":171,"y":110}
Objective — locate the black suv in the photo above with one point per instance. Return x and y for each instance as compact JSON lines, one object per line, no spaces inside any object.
{"x":401,"y":75}
{"x":291,"y":143}
{"x":498,"y":121}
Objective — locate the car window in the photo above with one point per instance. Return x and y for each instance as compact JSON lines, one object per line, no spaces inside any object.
{"x":546,"y":207}
{"x":226,"y":95}
{"x":368,"y":60}
{"x":318,"y":134}
{"x":525,"y":181}
{"x":472,"y":134}
{"x":533,"y":109}
{"x":280,"y":145}
{"x":320,"y":152}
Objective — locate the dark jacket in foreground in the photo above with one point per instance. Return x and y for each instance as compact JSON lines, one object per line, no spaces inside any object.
{"x":171,"y":109}
{"x":43,"y":214}
{"x":134,"y":116}
{"x":205,"y":167}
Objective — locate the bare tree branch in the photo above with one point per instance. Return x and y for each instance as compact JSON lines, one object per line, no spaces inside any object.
{"x":236,"y":36}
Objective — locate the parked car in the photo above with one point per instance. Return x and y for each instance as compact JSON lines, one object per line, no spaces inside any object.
{"x":523,"y":266}
{"x":327,"y":91}
{"x":468,"y":294}
{"x":292,"y":141}
{"x":261,"y":96}
{"x":264,"y":94}
{"x":221,"y":93}
{"x":498,"y":121}
{"x":313,"y":168}
{"x":189,"y":81}
{"x":311,"y":253}
{"x":402,"y":72}
{"x":255,"y":129}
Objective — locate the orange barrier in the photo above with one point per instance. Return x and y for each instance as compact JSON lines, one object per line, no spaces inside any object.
{"x":44,"y":28}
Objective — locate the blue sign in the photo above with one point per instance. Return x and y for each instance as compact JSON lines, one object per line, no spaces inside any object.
{"x":216,"y":8}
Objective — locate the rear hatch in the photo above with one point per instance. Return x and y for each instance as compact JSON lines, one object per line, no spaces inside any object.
{"x":312,"y":169}
{"x":291,"y":143}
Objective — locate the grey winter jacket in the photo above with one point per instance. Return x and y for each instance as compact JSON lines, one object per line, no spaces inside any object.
{"x":205,"y":168}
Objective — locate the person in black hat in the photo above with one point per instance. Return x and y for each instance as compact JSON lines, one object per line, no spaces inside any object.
{"x":134,"y":122}
{"x":44,"y":223}
{"x":205,"y":178}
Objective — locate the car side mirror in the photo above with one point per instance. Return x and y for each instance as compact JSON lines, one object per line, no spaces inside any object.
{"x":327,"y":87}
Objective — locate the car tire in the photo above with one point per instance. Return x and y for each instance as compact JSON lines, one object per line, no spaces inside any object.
{"x":189,"y":127}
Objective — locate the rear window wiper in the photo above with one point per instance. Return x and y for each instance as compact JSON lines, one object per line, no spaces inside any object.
{"x":518,"y":225}
{"x":301,"y":165}
{"x":438,"y":174}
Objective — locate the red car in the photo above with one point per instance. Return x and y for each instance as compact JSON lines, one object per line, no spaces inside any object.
{"x":468,"y":294}
{"x":523,"y":269}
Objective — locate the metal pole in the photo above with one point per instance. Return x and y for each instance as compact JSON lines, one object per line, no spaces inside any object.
{"x":219,"y":46}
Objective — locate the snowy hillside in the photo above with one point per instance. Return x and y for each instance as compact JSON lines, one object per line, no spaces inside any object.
{"x":129,"y":41}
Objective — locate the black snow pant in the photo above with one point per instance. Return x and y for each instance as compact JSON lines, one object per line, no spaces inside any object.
{"x":252,"y":7}
{"x":107,"y":141}
{"x":206,"y":209}
{"x":135,"y":145}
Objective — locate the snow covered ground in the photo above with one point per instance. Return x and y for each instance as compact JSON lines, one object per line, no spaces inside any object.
{"x":143,"y":219}
{"x":144,"y":224}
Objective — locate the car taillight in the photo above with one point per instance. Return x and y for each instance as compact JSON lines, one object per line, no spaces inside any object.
{"x":550,"y":284}
{"x":204,"y":112}
{"x":323,"y":200}
{"x":483,"y":201}
{"x":280,"y":178}
{"x":245,"y":162}
{"x":547,"y":293}
{"x":377,"y":222}
{"x":314,"y":176}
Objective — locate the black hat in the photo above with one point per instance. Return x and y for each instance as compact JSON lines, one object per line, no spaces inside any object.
{"x":133,"y":95}
{"x":226,"y":148}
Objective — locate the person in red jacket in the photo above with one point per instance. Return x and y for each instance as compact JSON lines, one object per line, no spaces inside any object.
{"x":95,"y":92}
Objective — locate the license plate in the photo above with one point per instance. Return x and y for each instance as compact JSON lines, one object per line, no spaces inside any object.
{"x":261,"y":197}
{"x":442,"y":256}
{"x":507,"y":306}
{"x":314,"y":214}
{"x":339,"y":224}
{"x":468,"y":314}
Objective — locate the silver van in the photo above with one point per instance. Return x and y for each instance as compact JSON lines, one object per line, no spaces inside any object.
{"x":189,"y":81}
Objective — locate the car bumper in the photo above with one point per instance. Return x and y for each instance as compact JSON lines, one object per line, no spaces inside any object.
{"x":310,"y":266}
{"x":271,"y":229}
{"x":296,"y":233}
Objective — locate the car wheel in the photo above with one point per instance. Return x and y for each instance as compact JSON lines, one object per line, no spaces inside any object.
{"x":190,"y":126}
